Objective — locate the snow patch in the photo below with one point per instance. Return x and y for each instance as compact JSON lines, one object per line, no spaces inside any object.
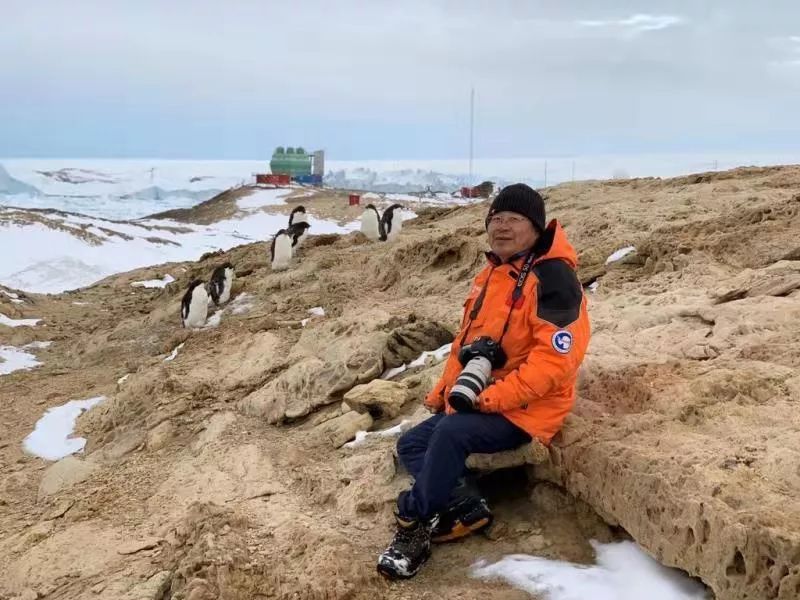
{"x":50,"y":438}
{"x":438,"y":356}
{"x":620,"y":254}
{"x":17,"y":359}
{"x":14,"y":297}
{"x":240,"y":304}
{"x":170,"y":358}
{"x":38,"y":345}
{"x":317,"y":311}
{"x":57,"y":256}
{"x":154,"y":283}
{"x":9,"y":322}
{"x":623,"y":572}
{"x":262,"y":198}
{"x":361,"y":436}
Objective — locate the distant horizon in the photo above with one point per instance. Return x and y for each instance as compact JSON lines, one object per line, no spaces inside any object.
{"x":532,"y":156}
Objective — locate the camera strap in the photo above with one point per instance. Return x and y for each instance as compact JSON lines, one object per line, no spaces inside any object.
{"x":515,"y":296}
{"x":517,"y":293}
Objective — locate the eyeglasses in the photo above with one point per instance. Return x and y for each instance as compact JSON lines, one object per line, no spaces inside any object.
{"x":511,"y":220}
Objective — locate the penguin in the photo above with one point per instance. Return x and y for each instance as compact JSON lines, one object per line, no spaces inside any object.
{"x":391,"y":224}
{"x":371,"y":223}
{"x":280,"y":251}
{"x":298,"y":232}
{"x":221,"y":283}
{"x":298,"y":215}
{"x":194,"y":306}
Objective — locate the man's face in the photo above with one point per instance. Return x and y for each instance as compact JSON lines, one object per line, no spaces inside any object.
{"x":510,"y":233}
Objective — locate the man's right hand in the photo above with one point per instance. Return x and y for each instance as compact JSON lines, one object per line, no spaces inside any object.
{"x":433,"y":409}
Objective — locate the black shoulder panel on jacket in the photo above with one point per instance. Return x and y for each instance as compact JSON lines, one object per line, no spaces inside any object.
{"x":560,"y":293}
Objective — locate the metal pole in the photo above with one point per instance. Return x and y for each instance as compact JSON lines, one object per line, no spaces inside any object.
{"x":471,"y":129}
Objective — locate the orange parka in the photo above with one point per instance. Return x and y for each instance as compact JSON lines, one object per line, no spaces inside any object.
{"x":545,"y":342}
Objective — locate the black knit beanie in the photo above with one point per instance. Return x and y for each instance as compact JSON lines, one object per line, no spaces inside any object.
{"x":521,"y":199}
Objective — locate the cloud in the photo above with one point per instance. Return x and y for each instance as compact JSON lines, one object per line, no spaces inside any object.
{"x":638,"y":23}
{"x":788,"y":49}
{"x":200,"y":77}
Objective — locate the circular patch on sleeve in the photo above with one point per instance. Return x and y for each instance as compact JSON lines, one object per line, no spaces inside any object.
{"x":562,"y":341}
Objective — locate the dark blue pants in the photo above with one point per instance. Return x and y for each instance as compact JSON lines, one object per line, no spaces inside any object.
{"x":434,"y":452}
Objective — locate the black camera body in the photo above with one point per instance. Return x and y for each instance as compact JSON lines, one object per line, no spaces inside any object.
{"x":484,"y":347}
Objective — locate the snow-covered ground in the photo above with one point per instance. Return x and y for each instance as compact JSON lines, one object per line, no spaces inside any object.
{"x":623,"y":572}
{"x":620,"y":254}
{"x":154,"y":283}
{"x":9,"y":322}
{"x":119,"y":189}
{"x":361,"y":436}
{"x":52,"y":438}
{"x":448,"y":175}
{"x":172,"y":354}
{"x":433,"y":356}
{"x":19,"y":359}
{"x":127,"y":189}
{"x":72,"y":251}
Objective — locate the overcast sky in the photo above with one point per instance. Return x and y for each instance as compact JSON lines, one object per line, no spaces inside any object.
{"x":391,"y":79}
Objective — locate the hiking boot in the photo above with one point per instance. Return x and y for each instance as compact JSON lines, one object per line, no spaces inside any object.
{"x":409,"y":549}
{"x":463,"y":517}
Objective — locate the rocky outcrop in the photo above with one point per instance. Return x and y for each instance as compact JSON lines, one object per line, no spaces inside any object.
{"x":380,"y":398}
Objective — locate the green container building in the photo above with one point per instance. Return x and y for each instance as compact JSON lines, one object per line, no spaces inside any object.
{"x":291,"y":161}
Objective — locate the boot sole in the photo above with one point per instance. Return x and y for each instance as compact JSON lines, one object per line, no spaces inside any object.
{"x":462,"y":531}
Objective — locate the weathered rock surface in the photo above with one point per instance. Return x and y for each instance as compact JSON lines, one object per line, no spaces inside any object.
{"x":64,"y":473}
{"x":530,"y":454}
{"x":380,"y":398}
{"x":343,"y":428}
{"x":685,"y":431}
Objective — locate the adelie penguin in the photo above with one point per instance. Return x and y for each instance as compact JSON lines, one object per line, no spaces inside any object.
{"x":298,"y":231}
{"x":194,"y":306}
{"x":221,"y":283}
{"x":280,"y":251}
{"x":298,"y":215}
{"x":371,"y":223}
{"x":391,"y":224}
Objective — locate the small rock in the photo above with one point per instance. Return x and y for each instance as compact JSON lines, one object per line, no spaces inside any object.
{"x":28,"y":594}
{"x":522,"y":528}
{"x":59,"y":510}
{"x":497,"y":531}
{"x":39,"y":531}
{"x":534,"y":453}
{"x":535,"y":543}
{"x":264,"y":490}
{"x":64,"y":473}
{"x":152,"y":589}
{"x":380,"y":398}
{"x":122,"y":445}
{"x":159,"y":436}
{"x":342,"y":429}
{"x":98,"y":587}
{"x":135,"y":546}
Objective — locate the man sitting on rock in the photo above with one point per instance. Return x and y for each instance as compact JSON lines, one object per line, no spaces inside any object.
{"x":510,"y":376}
